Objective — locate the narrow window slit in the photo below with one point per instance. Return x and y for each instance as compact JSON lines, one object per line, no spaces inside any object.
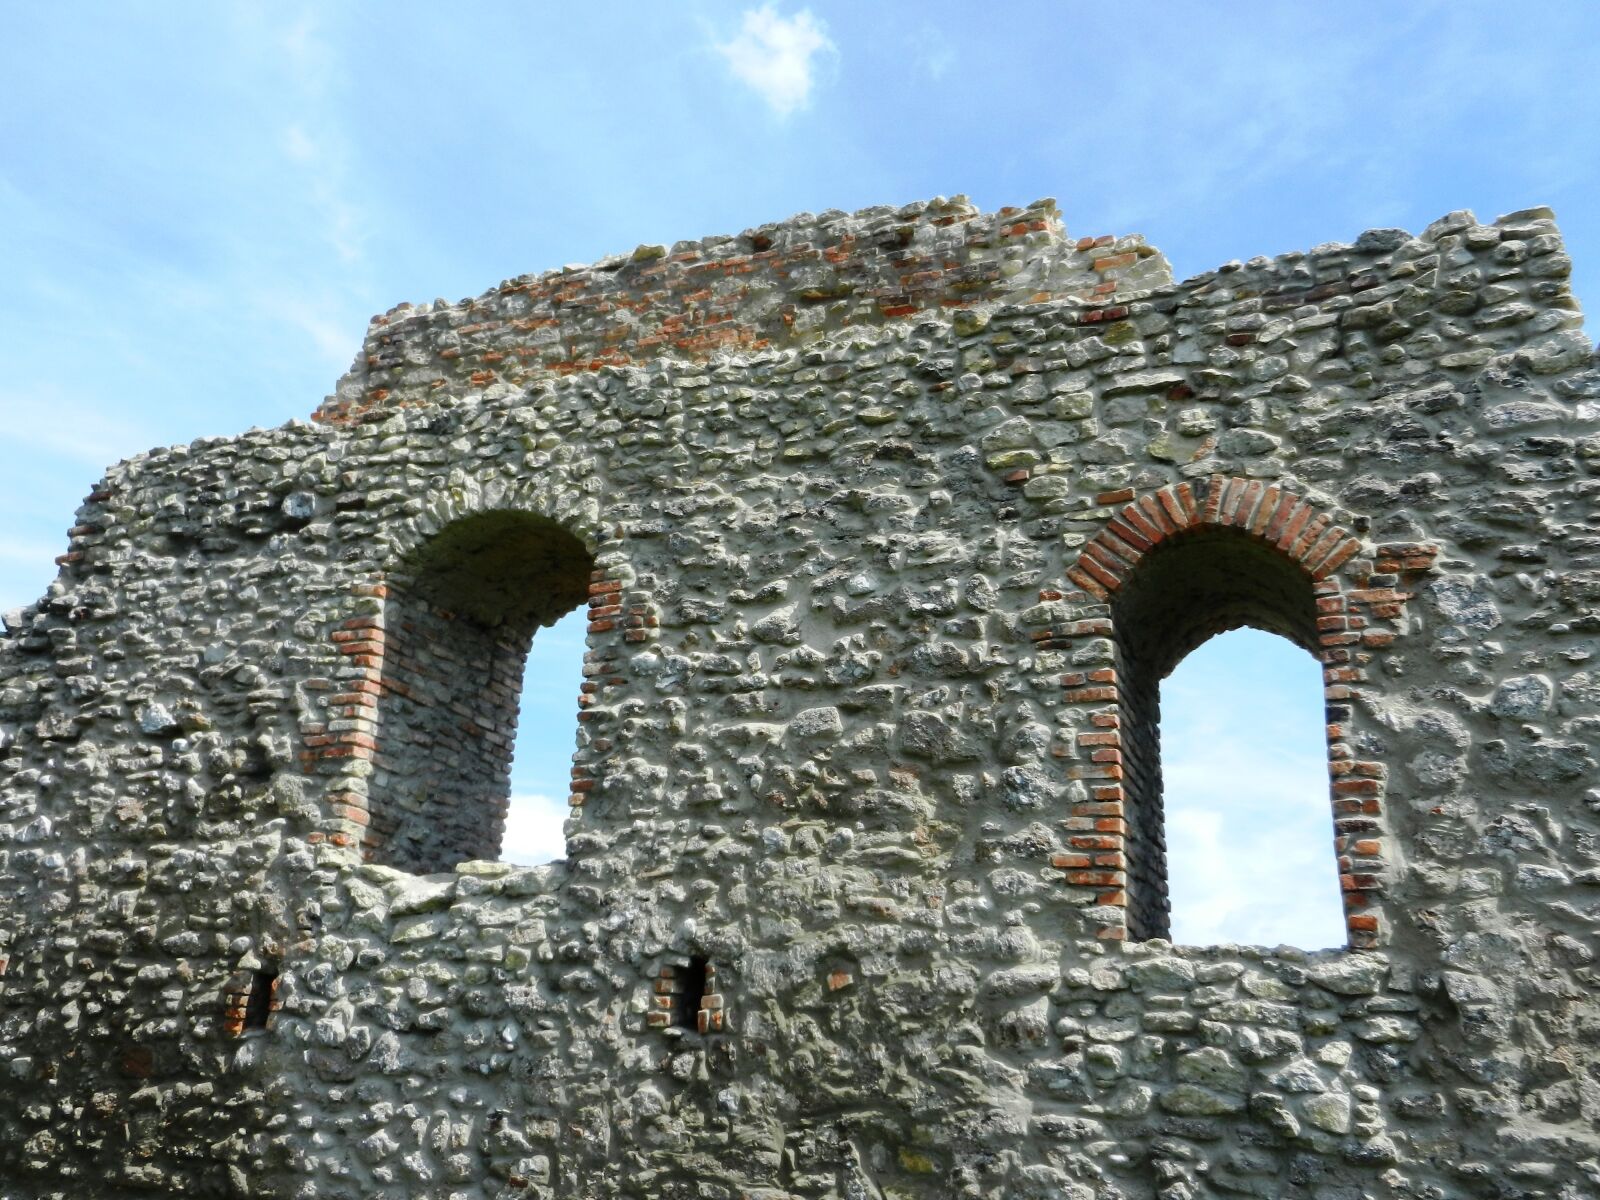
{"x":263,"y":990}
{"x":693,"y":979}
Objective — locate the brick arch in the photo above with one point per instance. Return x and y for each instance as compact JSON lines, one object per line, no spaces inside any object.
{"x":548,"y":495}
{"x":1353,"y":601}
{"x":1269,"y":512}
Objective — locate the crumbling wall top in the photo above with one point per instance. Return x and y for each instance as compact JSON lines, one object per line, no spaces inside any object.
{"x":774,"y":285}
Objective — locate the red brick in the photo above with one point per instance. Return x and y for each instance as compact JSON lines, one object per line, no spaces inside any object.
{"x":1088,"y":694}
{"x":1265,"y":510}
{"x":1108,"y":580}
{"x":1108,"y":541}
{"x":1116,"y":261}
{"x":1294,"y":526}
{"x":1151,"y":531}
{"x":1173,"y":507}
{"x":1354,"y":787}
{"x":1336,"y":558}
{"x":1157,"y":516}
{"x":1308,"y":536}
{"x":1087,"y":582}
{"x":1185,"y":494}
{"x":1284,"y":509}
{"x":1128,"y":534}
{"x":1095,"y":878}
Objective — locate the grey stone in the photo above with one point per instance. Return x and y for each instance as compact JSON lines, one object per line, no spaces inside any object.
{"x":1212,"y":1067}
{"x":1524,"y":697}
{"x":1191,"y":1100}
{"x":1463,"y":602}
{"x":1159,"y":974}
{"x":930,"y":736}
{"x":866,"y":781}
{"x":1350,"y":975}
{"x":157,"y":720}
{"x":1329,"y":1111}
{"x":814,"y":724}
{"x":1298,"y":1076}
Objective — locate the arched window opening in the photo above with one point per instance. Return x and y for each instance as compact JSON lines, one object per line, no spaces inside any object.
{"x":542,"y":758}
{"x":458,"y":621}
{"x":1184,"y":591}
{"x":1245,"y":772}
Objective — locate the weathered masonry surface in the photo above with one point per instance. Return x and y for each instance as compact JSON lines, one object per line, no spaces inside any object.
{"x":888,"y":525}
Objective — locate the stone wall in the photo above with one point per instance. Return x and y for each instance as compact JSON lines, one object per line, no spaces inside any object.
{"x":778,"y":285}
{"x":865,"y":846}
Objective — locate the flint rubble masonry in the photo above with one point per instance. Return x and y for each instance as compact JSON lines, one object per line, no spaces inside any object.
{"x":887,"y":525}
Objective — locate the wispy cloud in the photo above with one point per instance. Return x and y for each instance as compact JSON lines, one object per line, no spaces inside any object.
{"x":314,"y":144}
{"x":777,"y":55}
{"x":303,"y":45}
{"x":1263,"y":123}
{"x":1242,"y":871}
{"x":534,"y":830}
{"x":80,"y":430}
{"x":323,"y":164}
{"x":1248,"y":821}
{"x":933,"y":51}
{"x":28,"y":552}
{"x":298,"y":146}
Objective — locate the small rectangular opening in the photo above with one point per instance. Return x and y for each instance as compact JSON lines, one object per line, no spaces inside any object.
{"x":259,"y":1006}
{"x":693,"y":995}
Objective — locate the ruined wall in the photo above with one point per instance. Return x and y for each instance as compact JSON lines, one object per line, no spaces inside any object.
{"x":778,"y":285}
{"x":846,"y":905}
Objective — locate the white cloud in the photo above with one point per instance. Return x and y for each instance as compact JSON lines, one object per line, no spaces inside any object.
{"x":775,"y":55}
{"x":1236,"y":877}
{"x":297,"y":144}
{"x":314,"y":142}
{"x":933,"y":52}
{"x":1249,"y":825}
{"x":304,"y":47}
{"x":323,"y":163}
{"x":534,"y":830}
{"x":333,"y":339}
{"x":25,"y":552}
{"x":80,"y":430}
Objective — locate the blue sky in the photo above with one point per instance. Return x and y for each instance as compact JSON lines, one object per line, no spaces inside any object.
{"x":201,"y":204}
